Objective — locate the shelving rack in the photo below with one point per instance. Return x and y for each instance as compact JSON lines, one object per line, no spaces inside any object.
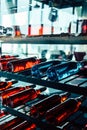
{"x":46,"y":39}
{"x":39,"y":123}
{"x":61,"y":85}
{"x":78,"y":90}
{"x":42,"y":82}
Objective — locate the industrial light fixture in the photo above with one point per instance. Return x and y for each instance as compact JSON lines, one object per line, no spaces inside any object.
{"x":53,"y":15}
{"x":36,"y":6}
{"x":50,"y":3}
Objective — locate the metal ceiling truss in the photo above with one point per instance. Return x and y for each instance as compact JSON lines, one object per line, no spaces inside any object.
{"x":63,"y":3}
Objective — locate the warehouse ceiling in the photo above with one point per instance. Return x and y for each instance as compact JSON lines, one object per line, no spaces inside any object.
{"x":63,"y":3}
{"x":54,"y":3}
{"x":60,"y":4}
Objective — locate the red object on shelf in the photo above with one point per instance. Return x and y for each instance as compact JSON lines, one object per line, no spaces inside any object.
{"x":59,"y":113}
{"x":79,"y":56}
{"x":17,"y":123}
{"x":23,"y":97}
{"x":5,"y":85}
{"x":17,"y":31}
{"x":29,"y":30}
{"x":15,"y":90}
{"x":4,"y":61}
{"x":39,"y":108}
{"x":23,"y":64}
{"x":8,"y":56}
{"x":25,"y":126}
{"x":84,"y":26}
{"x":41,"y":30}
